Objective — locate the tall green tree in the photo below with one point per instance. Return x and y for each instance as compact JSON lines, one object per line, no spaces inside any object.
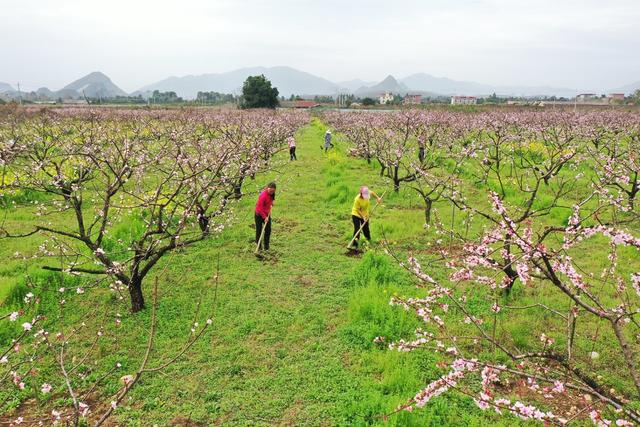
{"x":258,"y":93}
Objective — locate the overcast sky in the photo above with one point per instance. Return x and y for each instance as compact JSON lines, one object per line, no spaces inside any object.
{"x":582,"y":44}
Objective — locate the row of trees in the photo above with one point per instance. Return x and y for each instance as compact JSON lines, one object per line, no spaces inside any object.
{"x":172,"y":173}
{"x":555,"y":223}
{"x":432,"y":152}
{"x":169,"y":97}
{"x":214,"y":98}
{"x":169,"y":177}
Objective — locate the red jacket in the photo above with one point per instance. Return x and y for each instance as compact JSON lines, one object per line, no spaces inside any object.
{"x":263,"y":207}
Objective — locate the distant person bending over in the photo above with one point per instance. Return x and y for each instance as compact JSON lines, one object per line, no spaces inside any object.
{"x":327,"y":140}
{"x":292,"y":147}
{"x":263,"y":214}
{"x":421,"y":150}
{"x":360,"y":214}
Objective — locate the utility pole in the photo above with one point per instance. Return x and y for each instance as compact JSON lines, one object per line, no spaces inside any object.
{"x":19,"y":93}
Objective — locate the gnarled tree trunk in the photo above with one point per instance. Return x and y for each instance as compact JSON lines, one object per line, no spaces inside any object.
{"x":135,"y":293}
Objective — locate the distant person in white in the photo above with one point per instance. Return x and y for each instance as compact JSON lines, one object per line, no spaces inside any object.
{"x":292,"y":148}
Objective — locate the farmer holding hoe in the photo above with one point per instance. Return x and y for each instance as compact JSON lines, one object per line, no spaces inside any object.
{"x":360,"y":215}
{"x":263,"y":216}
{"x":327,"y":140}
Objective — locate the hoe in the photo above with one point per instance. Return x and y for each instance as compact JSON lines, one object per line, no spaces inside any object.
{"x":264,"y":227}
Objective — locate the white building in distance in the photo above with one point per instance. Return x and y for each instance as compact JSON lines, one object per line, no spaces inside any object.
{"x":385,"y":98}
{"x":583,"y":97}
{"x":463,"y":100}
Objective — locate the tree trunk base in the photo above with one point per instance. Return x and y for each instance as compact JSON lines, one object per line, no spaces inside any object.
{"x":137,"y":298}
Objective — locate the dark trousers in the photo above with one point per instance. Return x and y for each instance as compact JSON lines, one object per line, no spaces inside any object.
{"x":421,"y":154}
{"x":267,"y":231}
{"x":292,"y":153}
{"x":357,"y":223}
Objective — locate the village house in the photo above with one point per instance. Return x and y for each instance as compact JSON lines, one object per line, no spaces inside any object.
{"x":412,"y":99}
{"x":583,"y":97}
{"x":463,"y":100}
{"x":616,"y":97}
{"x":385,"y":98}
{"x":305,"y":104}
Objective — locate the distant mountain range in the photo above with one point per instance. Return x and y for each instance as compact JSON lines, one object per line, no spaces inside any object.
{"x":93,"y":85}
{"x":627,"y":89}
{"x":443,"y":85}
{"x":290,"y":81}
{"x":5,"y":87}
{"x":353,"y":85}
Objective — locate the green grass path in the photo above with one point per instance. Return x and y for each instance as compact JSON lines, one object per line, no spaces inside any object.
{"x":274,"y":355}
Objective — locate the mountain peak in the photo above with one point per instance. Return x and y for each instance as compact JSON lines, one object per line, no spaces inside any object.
{"x":93,"y":77}
{"x":94,"y":85}
{"x":97,"y":75}
{"x":389,"y":84}
{"x":390,"y":80}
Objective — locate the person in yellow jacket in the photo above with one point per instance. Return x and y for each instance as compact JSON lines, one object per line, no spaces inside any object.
{"x":360,"y":214}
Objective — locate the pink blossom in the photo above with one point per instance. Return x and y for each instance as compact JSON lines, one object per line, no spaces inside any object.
{"x":546,"y":340}
{"x":523,"y":272}
{"x":566,"y":267}
{"x":635,"y":282}
{"x":558,"y":387}
{"x":84,"y":409}
{"x":481,"y":403}
{"x":437,"y":387}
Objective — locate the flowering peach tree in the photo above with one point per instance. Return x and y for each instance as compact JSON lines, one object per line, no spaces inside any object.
{"x":538,"y":307}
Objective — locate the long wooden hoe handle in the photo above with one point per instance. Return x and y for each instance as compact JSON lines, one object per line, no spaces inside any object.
{"x":264,"y":227}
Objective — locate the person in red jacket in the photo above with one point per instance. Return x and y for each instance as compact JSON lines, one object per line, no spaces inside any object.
{"x":263,"y":212}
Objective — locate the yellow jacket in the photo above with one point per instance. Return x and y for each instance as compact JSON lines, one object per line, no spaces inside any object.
{"x":360,"y":207}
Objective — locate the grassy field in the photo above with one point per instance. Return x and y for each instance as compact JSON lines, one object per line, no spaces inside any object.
{"x":292,"y":339}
